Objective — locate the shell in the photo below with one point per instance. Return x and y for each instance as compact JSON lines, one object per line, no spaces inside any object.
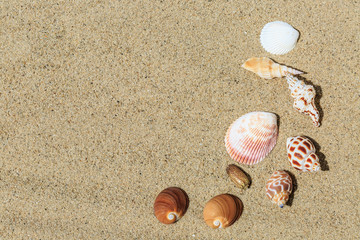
{"x":304,"y":98}
{"x":279,"y":188}
{"x":170,"y":205}
{"x":238,"y":177}
{"x":251,"y":137}
{"x":301,"y":154}
{"x":267,"y":68}
{"x":278,"y":37}
{"x":222,"y":211}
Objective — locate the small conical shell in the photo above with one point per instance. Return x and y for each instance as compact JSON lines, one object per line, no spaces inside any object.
{"x":278,"y":37}
{"x":251,"y":137}
{"x":222,"y":211}
{"x":267,"y":68}
{"x":170,"y":205}
{"x":301,"y":154}
{"x":304,"y":98}
{"x":279,"y":188}
{"x":238,"y":177}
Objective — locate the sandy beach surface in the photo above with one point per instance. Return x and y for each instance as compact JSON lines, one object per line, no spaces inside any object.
{"x":103,"y":104}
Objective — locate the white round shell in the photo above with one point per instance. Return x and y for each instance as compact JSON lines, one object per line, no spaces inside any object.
{"x":278,"y":37}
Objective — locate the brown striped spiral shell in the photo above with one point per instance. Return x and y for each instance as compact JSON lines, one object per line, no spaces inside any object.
{"x":222,"y":211}
{"x":170,"y":205}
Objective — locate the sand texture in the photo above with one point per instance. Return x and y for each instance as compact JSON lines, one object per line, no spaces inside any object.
{"x":103,"y":104}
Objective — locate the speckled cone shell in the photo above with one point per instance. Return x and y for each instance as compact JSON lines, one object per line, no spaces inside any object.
{"x":301,"y":154}
{"x":278,"y":37}
{"x":279,"y":188}
{"x":304,"y":98}
{"x":170,"y":205}
{"x":251,"y":137}
{"x":222,"y":210}
{"x":267,"y":68}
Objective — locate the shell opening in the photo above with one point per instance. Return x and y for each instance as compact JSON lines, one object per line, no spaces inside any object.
{"x":316,"y":168}
{"x":172,"y":216}
{"x":217,"y":223}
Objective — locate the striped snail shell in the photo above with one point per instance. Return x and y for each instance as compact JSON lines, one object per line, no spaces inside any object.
{"x":222,"y":211}
{"x":170,"y":205}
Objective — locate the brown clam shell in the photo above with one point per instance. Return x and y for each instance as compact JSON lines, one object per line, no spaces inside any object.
{"x":170,"y":205}
{"x":222,"y":211}
{"x":238,"y":177}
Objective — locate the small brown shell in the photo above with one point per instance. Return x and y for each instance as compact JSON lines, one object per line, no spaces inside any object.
{"x":222,"y":210}
{"x":238,"y":177}
{"x":170,"y":205}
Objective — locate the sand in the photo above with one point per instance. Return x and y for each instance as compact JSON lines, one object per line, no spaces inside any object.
{"x":103,"y":105}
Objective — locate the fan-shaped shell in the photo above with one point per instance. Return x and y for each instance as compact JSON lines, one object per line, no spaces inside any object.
{"x":279,"y":188}
{"x":278,"y":37}
{"x":301,"y":154}
{"x":267,"y":68}
{"x":238,"y":177}
{"x":170,"y":205}
{"x":222,"y":210}
{"x":251,"y":137}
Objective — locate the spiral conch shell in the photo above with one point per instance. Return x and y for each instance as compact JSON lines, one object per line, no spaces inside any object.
{"x":238,"y":177}
{"x":222,"y":210}
{"x":279,"y":188}
{"x":267,"y":68}
{"x":251,"y":137}
{"x":170,"y":205}
{"x":301,"y":154}
{"x":304,"y":98}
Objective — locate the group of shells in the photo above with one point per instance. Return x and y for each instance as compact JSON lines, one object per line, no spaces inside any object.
{"x":250,"y":138}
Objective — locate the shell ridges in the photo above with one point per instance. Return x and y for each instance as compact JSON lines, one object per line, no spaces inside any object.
{"x":278,"y":37}
{"x":251,"y":137}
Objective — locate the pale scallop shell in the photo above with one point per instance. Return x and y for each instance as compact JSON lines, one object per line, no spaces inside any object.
{"x":251,"y":137}
{"x":278,"y":37}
